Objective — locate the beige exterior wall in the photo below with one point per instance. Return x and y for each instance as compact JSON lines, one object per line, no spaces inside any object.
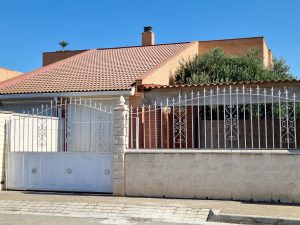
{"x":237,"y":175}
{"x":161,"y":74}
{"x":6,"y":74}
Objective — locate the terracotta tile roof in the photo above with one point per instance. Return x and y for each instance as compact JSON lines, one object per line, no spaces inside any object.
{"x":93,"y":70}
{"x":260,"y":82}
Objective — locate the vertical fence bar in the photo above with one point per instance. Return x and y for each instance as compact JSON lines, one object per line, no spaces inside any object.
{"x":95,"y":126}
{"x":224,"y":116}
{"x":149,"y":113}
{"x":65,"y":129}
{"x":179,"y":107}
{"x":211,"y":120}
{"x":131,"y":127}
{"x":15,"y":128}
{"x":218,"y":125}
{"x":161,"y":125}
{"x":84,"y":122}
{"x":258,"y":116}
{"x":266,"y":125}
{"x":19,"y":145}
{"x":279,"y":110}
{"x":80,"y":121}
{"x":144,"y":126}
{"x":28,"y":131}
{"x":155,"y":124}
{"x":42,"y":128}
{"x":173,"y":102}
{"x":295,"y":128}
{"x":168,"y":131}
{"x":137,"y":129}
{"x":46,"y":127}
{"x":91,"y":122}
{"x":51,"y":125}
{"x":237,"y":117}
{"x":192,"y":106}
{"x":272,"y":109}
{"x":185,"y":120}
{"x":251,"y":119}
{"x":37,"y":129}
{"x":198,"y":111}
{"x":23,"y":130}
{"x":76,"y":125}
{"x":244,"y":109}
{"x":287,"y":118}
{"x":8,"y":122}
{"x":204,"y":115}
{"x":230,"y":109}
{"x":32,"y":137}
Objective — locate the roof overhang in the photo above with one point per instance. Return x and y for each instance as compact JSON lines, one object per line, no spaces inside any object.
{"x":70,"y":94}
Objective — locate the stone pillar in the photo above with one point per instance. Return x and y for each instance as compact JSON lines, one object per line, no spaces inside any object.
{"x":120,"y":145}
{"x":4,"y":116}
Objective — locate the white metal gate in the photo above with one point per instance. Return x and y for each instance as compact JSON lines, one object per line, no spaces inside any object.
{"x":63,"y":146}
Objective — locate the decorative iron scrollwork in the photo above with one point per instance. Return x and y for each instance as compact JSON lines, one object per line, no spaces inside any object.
{"x":42,"y":133}
{"x":179,"y":125}
{"x":231,"y":123}
{"x":287,"y":126}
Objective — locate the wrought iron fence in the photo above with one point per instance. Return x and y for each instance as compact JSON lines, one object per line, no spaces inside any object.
{"x":220,"y":118}
{"x":63,"y":125}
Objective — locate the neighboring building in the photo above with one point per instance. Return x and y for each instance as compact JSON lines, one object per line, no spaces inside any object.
{"x":6,"y":74}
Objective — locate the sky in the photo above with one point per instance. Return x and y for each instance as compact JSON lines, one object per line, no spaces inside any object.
{"x":30,"y":27}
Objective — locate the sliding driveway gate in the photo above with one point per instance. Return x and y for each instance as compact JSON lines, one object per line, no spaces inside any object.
{"x":65,"y":145}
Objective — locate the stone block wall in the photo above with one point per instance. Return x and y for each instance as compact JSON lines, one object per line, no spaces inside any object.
{"x":270,"y":176}
{"x":120,"y":145}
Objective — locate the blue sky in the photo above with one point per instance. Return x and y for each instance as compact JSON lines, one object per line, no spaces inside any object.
{"x":28,"y":28}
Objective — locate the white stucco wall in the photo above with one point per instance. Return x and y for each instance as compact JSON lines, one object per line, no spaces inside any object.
{"x":238,"y":175}
{"x":4,"y":116}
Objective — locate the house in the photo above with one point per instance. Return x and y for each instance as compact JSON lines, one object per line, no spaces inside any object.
{"x":62,"y":122}
{"x":6,"y":74}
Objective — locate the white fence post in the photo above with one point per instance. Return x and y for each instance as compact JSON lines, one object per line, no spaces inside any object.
{"x":4,"y":117}
{"x":120,"y":145}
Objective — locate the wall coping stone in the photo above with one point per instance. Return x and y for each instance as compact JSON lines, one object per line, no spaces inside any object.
{"x":216,"y":151}
{"x":6,"y":112}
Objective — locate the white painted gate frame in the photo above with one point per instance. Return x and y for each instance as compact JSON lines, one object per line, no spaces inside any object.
{"x":116,"y":158}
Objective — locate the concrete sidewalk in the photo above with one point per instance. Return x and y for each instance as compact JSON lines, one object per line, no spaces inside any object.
{"x":222,"y":207}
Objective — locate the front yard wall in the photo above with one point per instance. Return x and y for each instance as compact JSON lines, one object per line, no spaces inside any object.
{"x":235,"y":175}
{"x":4,"y":116}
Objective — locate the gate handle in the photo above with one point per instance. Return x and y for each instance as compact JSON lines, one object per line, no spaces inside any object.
{"x":106,"y":172}
{"x":69,"y":171}
{"x":33,"y":171}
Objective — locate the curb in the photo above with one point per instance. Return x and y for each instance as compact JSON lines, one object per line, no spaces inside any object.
{"x":253,"y":219}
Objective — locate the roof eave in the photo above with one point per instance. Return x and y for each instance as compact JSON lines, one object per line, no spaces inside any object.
{"x":124,"y":93}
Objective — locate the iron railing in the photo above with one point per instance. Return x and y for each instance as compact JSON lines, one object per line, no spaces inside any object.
{"x":63,"y":125}
{"x":220,"y":118}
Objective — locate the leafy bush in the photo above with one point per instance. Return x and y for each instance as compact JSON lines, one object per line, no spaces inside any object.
{"x":217,"y":67}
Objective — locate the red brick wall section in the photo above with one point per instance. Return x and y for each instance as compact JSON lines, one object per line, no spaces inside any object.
{"x":52,"y":57}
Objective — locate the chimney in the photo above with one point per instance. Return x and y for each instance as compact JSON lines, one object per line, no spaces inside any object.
{"x":147,"y":36}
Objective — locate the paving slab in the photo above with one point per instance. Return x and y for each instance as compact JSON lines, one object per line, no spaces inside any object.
{"x":63,"y":202}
